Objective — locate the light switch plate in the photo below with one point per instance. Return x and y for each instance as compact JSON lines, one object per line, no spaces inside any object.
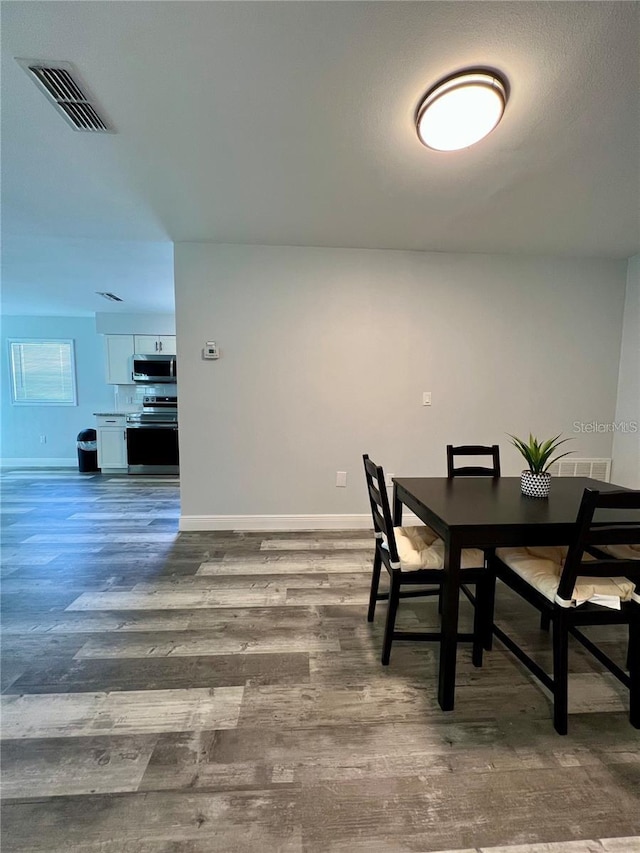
{"x":426,"y":398}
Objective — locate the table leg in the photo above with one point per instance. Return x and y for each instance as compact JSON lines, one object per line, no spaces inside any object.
{"x":449,"y":625}
{"x":397,"y":507}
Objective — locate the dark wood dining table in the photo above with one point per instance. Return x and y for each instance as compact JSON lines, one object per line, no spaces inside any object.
{"x":484,"y":512}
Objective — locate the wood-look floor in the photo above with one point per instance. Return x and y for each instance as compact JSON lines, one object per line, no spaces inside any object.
{"x":222,"y":693}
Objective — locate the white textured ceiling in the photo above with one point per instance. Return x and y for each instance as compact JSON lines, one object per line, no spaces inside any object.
{"x":292,"y":123}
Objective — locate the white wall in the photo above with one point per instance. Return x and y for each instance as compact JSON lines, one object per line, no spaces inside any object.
{"x":22,"y":426}
{"x":135,"y":324}
{"x":326,"y":353}
{"x":626,"y":444}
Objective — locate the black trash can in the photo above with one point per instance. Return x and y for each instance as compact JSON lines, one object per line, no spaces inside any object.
{"x":87,"y":451}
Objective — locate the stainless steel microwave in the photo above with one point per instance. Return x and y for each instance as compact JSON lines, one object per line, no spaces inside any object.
{"x":153,"y":369}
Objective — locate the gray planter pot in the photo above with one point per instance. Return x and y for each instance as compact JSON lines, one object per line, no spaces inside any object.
{"x":535,"y":485}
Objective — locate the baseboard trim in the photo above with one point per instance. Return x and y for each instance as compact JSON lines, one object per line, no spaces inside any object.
{"x":38,"y":462}
{"x":271,"y":523}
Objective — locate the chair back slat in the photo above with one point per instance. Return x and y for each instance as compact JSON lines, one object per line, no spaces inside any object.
{"x":473,"y":470}
{"x":381,"y":512}
{"x":589,"y":533}
{"x":613,"y":534}
{"x":374,"y":494}
{"x":618,"y":499}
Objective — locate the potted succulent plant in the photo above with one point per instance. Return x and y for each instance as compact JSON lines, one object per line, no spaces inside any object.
{"x":535,"y":481}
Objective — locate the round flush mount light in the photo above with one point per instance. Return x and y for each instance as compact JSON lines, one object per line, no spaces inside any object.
{"x":461,"y":110}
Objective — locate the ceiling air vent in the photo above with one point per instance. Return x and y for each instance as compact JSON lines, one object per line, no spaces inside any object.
{"x":59,"y":82}
{"x":110,"y":296}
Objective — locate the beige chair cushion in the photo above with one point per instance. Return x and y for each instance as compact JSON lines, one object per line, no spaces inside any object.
{"x":622,"y":552}
{"x":421,"y":548}
{"x":541,"y":568}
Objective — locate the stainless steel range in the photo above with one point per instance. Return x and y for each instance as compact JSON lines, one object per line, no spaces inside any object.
{"x":152,"y":437}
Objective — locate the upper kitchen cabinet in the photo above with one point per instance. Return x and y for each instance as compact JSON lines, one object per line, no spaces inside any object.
{"x":151,"y":344}
{"x":119,"y":350}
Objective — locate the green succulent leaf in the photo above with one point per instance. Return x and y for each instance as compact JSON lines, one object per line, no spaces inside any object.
{"x":537,"y":454}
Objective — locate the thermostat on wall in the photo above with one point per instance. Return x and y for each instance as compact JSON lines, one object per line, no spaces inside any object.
{"x":210,"y":350}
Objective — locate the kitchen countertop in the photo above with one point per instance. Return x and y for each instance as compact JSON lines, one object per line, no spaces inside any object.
{"x":115,"y":414}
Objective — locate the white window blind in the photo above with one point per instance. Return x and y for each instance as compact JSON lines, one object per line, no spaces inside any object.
{"x":42,"y":372}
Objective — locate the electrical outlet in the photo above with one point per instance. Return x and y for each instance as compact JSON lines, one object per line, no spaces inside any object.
{"x":43,"y":439}
{"x":389,"y":480}
{"x":341,"y":479}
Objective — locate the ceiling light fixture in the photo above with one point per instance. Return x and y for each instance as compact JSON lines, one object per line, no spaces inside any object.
{"x":461,"y":110}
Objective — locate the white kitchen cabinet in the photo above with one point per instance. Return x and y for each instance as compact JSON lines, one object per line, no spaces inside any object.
{"x":119,"y":349}
{"x":112,"y":443}
{"x":167,"y":344}
{"x":152,"y":344}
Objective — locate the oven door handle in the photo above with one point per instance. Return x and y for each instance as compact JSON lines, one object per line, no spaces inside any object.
{"x":153,"y":426}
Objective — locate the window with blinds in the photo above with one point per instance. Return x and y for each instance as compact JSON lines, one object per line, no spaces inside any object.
{"x":42,"y":373}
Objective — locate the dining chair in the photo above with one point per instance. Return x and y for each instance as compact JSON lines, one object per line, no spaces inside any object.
{"x":579,"y":585}
{"x":623,"y":552}
{"x":473,"y":470}
{"x":414,"y":556}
